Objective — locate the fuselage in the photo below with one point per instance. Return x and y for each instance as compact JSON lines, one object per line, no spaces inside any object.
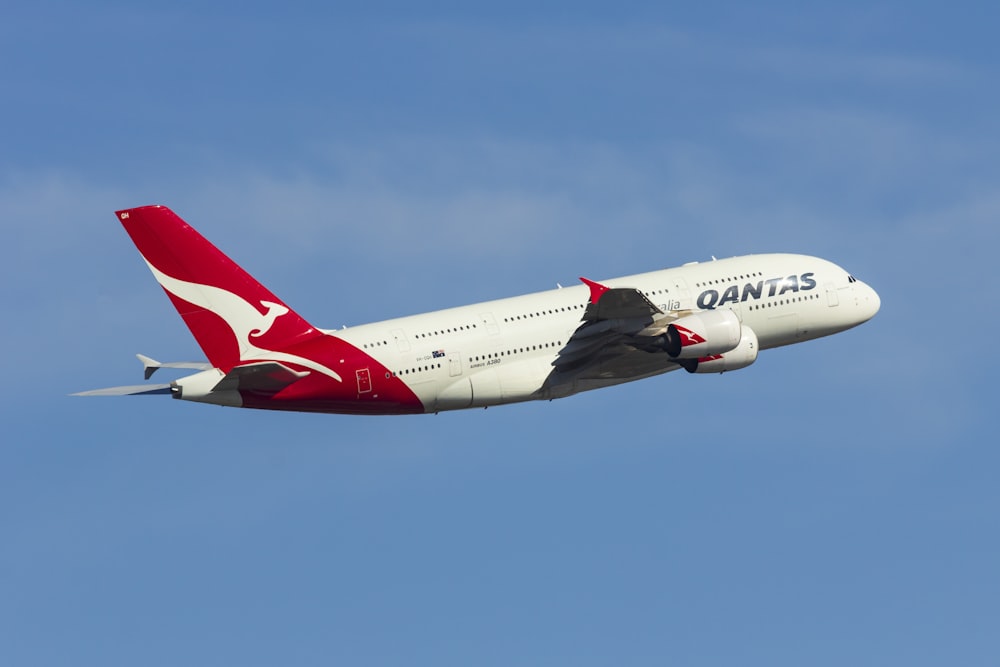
{"x":503,"y":351}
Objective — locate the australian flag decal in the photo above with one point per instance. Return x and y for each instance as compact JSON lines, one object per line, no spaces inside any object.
{"x":438,"y":354}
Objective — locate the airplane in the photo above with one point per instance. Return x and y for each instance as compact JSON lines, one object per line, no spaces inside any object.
{"x":707,"y":317}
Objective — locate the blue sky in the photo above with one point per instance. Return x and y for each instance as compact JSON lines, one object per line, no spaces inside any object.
{"x":835,"y":503}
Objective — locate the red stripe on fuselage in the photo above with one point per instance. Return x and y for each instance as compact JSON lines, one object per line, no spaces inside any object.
{"x":317,"y":392}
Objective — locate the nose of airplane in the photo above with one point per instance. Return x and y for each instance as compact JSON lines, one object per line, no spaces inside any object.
{"x":868,"y":301}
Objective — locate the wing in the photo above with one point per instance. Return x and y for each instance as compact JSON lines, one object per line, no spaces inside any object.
{"x":620,"y":337}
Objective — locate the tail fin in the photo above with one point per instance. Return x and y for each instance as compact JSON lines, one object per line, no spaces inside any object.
{"x":232,"y":316}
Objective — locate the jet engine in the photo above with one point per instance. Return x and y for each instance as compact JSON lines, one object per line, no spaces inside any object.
{"x":742,"y":356}
{"x":703,"y":334}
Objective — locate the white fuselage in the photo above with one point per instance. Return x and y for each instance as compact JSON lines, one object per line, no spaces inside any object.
{"x":503,"y":351}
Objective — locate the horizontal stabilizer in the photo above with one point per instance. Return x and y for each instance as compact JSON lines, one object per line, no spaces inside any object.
{"x":150,"y":365}
{"x":134,"y":390}
{"x":265,"y":377}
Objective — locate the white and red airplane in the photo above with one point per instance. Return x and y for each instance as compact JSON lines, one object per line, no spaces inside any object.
{"x":706,"y":317}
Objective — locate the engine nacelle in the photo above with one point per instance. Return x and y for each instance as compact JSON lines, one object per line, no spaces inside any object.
{"x":741,"y":357}
{"x":703,"y":334}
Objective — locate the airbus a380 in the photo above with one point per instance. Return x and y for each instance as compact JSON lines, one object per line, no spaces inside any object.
{"x":708,"y":317}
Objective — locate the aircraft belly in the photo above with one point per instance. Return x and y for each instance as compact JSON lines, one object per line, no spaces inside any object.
{"x":456,"y":396}
{"x":486,"y":388}
{"x":782,"y":329}
{"x":522,"y":381}
{"x":503,"y":383}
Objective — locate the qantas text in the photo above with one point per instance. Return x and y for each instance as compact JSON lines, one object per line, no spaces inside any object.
{"x":775,"y":287}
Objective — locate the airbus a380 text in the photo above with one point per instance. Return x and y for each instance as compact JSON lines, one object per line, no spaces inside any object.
{"x":706,"y":317}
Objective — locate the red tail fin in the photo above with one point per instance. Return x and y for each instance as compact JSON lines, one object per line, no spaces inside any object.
{"x":232,"y":316}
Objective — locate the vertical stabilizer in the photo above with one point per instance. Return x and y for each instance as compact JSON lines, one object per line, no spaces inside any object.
{"x":232,"y":316}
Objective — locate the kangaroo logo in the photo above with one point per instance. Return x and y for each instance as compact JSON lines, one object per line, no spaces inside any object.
{"x":688,"y":337}
{"x":245,"y":321}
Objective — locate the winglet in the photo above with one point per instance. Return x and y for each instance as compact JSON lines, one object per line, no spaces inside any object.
{"x":597,"y":290}
{"x":149,"y":365}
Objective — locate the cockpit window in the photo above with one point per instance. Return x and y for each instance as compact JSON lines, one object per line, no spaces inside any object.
{"x":851,"y":279}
